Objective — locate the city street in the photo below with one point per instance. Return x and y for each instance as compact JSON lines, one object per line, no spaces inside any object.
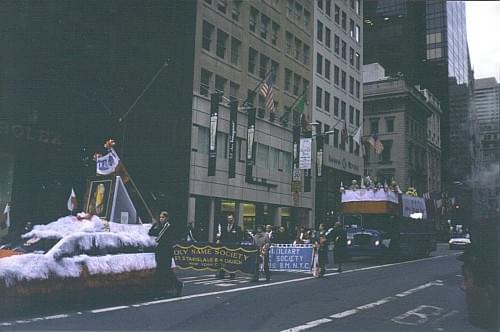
{"x":421,"y":295}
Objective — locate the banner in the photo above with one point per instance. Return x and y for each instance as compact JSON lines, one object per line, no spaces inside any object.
{"x":250,"y":145}
{"x":305,"y":153}
{"x":233,"y":125}
{"x":212,"y":146}
{"x":291,"y":257}
{"x":413,"y":205}
{"x":107,"y":164}
{"x":210,"y":256}
{"x":319,"y":155}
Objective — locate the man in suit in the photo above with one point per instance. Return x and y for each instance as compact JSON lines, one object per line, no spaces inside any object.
{"x":164,"y":251}
{"x":228,"y":234}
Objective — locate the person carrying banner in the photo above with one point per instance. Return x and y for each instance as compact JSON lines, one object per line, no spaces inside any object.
{"x":228,"y":234}
{"x":164,"y":251}
{"x":340,"y":245}
{"x":262,"y":243}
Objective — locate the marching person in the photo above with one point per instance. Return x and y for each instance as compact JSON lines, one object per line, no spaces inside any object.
{"x":270,"y":232}
{"x":228,"y":234}
{"x":189,"y":237}
{"x":321,"y":245}
{"x":164,"y":251}
{"x":340,"y":245}
{"x":262,"y":242}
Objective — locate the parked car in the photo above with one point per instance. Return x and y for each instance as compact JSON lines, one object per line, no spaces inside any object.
{"x":459,"y":242}
{"x":74,"y":257}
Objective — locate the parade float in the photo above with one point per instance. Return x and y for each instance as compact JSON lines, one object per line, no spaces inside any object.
{"x":381,"y":221}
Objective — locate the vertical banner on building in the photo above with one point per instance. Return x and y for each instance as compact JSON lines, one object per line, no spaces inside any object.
{"x":233,"y":125}
{"x":306,"y":159}
{"x":250,"y":145}
{"x":319,"y":155}
{"x":296,"y":174}
{"x":212,"y":147}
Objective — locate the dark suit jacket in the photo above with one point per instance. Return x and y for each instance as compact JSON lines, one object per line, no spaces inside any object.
{"x":234,"y":235}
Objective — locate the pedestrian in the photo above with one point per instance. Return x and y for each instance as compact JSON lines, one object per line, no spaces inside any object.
{"x":281,"y":236}
{"x":340,"y":245}
{"x":262,"y":243}
{"x":164,"y":274}
{"x":228,"y":234}
{"x":190,"y":233}
{"x":321,"y":245}
{"x":270,"y":232}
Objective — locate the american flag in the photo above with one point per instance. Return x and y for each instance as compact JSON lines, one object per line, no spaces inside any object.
{"x":266,"y":90}
{"x":376,"y":143}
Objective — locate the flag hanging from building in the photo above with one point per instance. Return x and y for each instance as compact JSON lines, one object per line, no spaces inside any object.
{"x":374,"y":141}
{"x":344,"y":135}
{"x":266,"y":90}
{"x":72,"y":204}
{"x":300,"y":105}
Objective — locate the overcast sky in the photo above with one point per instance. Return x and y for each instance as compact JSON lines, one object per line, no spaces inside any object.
{"x":483,"y":34}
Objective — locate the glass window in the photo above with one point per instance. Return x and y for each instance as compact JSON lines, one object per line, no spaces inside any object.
{"x":344,"y":50}
{"x":288,"y":80}
{"x":328,"y":37}
{"x":206,"y":76}
{"x":319,"y":96}
{"x":351,"y":144}
{"x":220,"y":84}
{"x":336,"y":138}
{"x":263,"y":66}
{"x":320,"y":4}
{"x":351,"y":114}
{"x":305,"y":88}
{"x":344,"y":21}
{"x":298,"y":49}
{"x":327,"y":69}
{"x":336,"y":75}
{"x":275,"y":35}
{"x":307,"y":19}
{"x":207,"y":33}
{"x":328,"y":7}
{"x":253,"y":19}
{"x":389,"y":125}
{"x":264,"y":26}
{"x":234,"y":89}
{"x":358,"y":60}
{"x":222,"y":6}
{"x":374,"y":126}
{"x":336,"y":106}
{"x":235,"y":51}
{"x":288,"y":43}
{"x":275,"y":158}
{"x":262,"y":155}
{"x":351,"y":28}
{"x":235,"y":12}
{"x":275,"y":67}
{"x":342,"y":109}
{"x":306,"y":54}
{"x":357,"y":117}
{"x":289,"y":9}
{"x":357,"y":33}
{"x":343,"y":80}
{"x":296,"y":84}
{"x":252,"y":60}
{"x":336,"y":44}
{"x":351,"y":56}
{"x":337,"y":14}
{"x":298,"y":13}
{"x":222,"y":38}
{"x":358,"y":89}
{"x":319,"y":33}
{"x":319,"y":63}
{"x":357,"y":6}
{"x":327,"y":101}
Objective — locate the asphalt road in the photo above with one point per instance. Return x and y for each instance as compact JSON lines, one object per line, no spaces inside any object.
{"x":419,"y":295}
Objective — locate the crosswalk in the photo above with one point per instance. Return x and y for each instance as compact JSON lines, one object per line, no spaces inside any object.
{"x":210,"y":279}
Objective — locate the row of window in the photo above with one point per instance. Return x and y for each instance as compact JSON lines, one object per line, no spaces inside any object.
{"x":223,"y":8}
{"x":262,"y":25}
{"x":296,"y":13}
{"x":219,"y":84}
{"x":222,"y":43}
{"x":374,"y":125}
{"x":265,"y":156}
{"x":323,"y":102}
{"x":323,"y":68}
{"x":326,"y":6}
{"x":354,"y":57}
{"x":297,"y":49}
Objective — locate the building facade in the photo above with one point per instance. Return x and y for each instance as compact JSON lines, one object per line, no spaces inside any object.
{"x":398,"y":114}
{"x":337,"y":101}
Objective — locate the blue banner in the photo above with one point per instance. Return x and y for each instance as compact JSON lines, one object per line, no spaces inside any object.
{"x":291,"y":257}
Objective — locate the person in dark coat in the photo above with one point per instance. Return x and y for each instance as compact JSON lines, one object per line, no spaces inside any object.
{"x":164,"y":274}
{"x":228,"y":234}
{"x":321,"y":244}
{"x":340,"y":245}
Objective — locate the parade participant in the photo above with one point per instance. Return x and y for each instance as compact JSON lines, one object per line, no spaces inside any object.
{"x":228,"y":234}
{"x":262,"y":242}
{"x":281,"y":236}
{"x":190,"y":233}
{"x":164,"y":251}
{"x":270,"y":233}
{"x":321,"y":245}
{"x":340,"y":245}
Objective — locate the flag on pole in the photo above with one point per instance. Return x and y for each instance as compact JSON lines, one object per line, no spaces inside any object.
{"x":343,"y":134}
{"x":266,"y":90}
{"x":72,"y":204}
{"x":357,"y":136}
{"x":6,"y":216}
{"x":374,"y":141}
{"x":300,"y":105}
